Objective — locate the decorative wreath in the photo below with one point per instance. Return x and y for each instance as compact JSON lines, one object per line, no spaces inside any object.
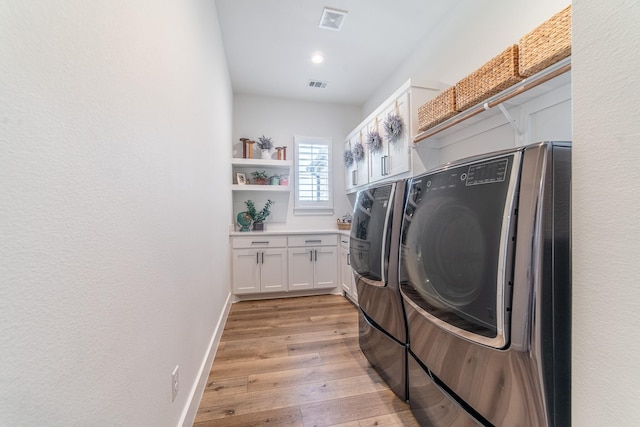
{"x":358,"y":152}
{"x":348,"y":158}
{"x":393,"y":127}
{"x":374,"y":141}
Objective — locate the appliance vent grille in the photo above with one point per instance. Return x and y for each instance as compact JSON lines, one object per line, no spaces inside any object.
{"x":332,"y":19}
{"x":317,"y":83}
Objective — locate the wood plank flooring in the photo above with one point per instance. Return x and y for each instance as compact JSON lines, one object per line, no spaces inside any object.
{"x":296,"y":362}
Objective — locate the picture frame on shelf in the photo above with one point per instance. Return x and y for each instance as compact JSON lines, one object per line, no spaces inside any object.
{"x":241,"y":178}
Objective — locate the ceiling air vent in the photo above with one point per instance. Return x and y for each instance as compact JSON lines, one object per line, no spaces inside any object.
{"x":317,"y":83}
{"x":332,"y":19}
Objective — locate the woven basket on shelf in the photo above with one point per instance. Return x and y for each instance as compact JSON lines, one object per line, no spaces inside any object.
{"x":492,"y":78}
{"x":344,"y":225}
{"x":547,"y":44}
{"x":437,"y":109}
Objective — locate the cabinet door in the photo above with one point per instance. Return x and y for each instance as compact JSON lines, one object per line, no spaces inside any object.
{"x":326,"y":267}
{"x":273,"y":277}
{"x":357,"y":174}
{"x":345,"y":270}
{"x":399,"y":152}
{"x":377,"y":159}
{"x":301,"y":261}
{"x":246,"y":271}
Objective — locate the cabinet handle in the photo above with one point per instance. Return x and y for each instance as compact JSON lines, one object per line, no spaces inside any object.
{"x":313,"y":241}
{"x":257,"y":258}
{"x":316,"y":254}
{"x":262,"y":253}
{"x":348,"y":259}
{"x":384,"y":165}
{"x":259,"y":243}
{"x":311,"y":255}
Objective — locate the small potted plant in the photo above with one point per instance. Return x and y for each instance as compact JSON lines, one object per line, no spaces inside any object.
{"x":259,"y":177}
{"x":265,"y":144}
{"x":258,"y":217}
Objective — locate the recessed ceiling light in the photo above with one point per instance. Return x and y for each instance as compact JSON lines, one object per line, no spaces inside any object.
{"x":332,"y":19}
{"x":317,"y":58}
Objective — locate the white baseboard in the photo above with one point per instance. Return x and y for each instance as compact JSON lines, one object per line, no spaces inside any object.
{"x":190,"y":411}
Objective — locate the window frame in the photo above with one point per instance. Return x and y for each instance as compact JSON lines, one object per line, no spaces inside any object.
{"x":305,"y":207}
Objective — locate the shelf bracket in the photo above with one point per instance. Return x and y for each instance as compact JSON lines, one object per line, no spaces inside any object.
{"x":509,"y":117}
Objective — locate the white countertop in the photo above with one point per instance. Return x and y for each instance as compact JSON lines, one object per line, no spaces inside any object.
{"x":290,"y":232}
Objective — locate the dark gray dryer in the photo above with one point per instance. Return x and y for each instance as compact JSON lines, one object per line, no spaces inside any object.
{"x":374,"y":249}
{"x":486,"y":280}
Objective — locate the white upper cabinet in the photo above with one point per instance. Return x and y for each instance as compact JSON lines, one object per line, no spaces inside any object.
{"x":357,"y":174}
{"x":393,"y":160}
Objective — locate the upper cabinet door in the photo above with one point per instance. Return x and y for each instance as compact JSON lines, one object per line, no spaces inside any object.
{"x":399,"y":151}
{"x":394,"y":157}
{"x":357,"y":174}
{"x":377,"y":158}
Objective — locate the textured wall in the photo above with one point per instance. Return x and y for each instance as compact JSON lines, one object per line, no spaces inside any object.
{"x":606,"y":229}
{"x":115,"y":119}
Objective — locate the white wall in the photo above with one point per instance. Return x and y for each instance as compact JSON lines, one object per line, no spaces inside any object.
{"x":281,"y":119}
{"x":606,"y":202}
{"x":114,"y":122}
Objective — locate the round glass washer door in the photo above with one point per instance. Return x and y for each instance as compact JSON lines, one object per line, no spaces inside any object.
{"x":453,"y":245}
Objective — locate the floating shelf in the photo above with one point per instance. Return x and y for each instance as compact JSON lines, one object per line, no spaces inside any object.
{"x":261,"y":163}
{"x":264,"y":188}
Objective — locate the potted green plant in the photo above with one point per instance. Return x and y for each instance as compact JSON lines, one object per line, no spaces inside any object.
{"x":258,"y":217}
{"x":259,"y":177}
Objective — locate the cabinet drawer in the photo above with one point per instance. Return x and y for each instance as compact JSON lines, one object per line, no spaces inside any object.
{"x":259,"y":242}
{"x":313,"y":240}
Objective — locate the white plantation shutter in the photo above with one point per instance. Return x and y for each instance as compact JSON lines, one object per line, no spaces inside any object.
{"x":313,"y":175}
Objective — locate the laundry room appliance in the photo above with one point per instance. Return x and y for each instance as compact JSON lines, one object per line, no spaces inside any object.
{"x":374,"y":253}
{"x":485,"y":270}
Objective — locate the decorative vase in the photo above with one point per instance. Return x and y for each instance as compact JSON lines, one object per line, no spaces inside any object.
{"x":244,"y":220}
{"x":265,"y":154}
{"x":258,"y":226}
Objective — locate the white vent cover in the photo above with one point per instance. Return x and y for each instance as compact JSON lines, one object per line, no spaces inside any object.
{"x":332,"y":19}
{"x":317,"y":83}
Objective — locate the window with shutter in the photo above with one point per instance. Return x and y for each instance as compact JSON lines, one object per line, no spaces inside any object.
{"x":313,"y":183}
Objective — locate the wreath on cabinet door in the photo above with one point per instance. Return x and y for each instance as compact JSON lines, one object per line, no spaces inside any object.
{"x":358,"y":152}
{"x":393,"y":127}
{"x":348,"y":158}
{"x":374,"y":141}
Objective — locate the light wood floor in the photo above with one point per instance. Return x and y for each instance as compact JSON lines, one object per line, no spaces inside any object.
{"x":296,"y":362}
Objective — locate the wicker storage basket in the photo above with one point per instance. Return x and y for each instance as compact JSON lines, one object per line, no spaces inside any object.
{"x":437,"y":109}
{"x":344,"y":225}
{"x":493,"y":77}
{"x":547,"y":44}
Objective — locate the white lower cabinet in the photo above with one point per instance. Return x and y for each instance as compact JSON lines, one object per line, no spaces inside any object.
{"x":313,"y":262}
{"x":256,"y":271}
{"x":259,"y":264}
{"x":346,"y":272}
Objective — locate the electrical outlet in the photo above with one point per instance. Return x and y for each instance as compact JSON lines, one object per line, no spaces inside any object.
{"x":175,"y":383}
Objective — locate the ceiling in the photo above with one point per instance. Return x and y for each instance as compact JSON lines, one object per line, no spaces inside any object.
{"x":269,"y":44}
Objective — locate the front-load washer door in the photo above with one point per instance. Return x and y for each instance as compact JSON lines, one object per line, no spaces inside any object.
{"x":456,"y":247}
{"x":371,"y":232}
